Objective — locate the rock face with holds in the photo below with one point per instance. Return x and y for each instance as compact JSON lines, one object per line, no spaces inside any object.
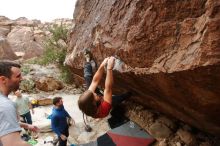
{"x":171,"y":50}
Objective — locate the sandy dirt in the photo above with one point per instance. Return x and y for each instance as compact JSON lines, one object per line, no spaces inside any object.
{"x":77,"y":133}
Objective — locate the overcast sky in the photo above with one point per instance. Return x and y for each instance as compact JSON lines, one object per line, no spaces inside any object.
{"x":44,"y":10}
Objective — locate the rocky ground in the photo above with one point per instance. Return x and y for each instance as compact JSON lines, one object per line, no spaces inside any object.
{"x":77,"y":133}
{"x":166,"y":130}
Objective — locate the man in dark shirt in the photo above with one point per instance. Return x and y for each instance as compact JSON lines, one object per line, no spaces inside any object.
{"x":59,"y":121}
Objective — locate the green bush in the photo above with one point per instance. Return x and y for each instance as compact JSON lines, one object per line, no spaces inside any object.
{"x":25,"y":69}
{"x":27,"y":85}
{"x":55,"y":53}
{"x":66,"y":75}
{"x":59,"y":32}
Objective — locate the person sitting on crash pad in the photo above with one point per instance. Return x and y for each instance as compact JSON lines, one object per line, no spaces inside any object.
{"x":96,"y":106}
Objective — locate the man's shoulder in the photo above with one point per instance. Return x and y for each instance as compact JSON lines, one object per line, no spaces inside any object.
{"x":54,"y":117}
{"x":54,"y":113}
{"x":20,"y":100}
{"x":25,"y":97}
{"x":16,"y":100}
{"x":5,"y":102}
{"x":3,"y":98}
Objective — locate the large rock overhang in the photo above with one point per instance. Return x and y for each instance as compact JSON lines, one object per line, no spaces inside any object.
{"x":171,"y":50}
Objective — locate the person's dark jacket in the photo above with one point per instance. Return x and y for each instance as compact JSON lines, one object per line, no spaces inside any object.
{"x":59,"y":120}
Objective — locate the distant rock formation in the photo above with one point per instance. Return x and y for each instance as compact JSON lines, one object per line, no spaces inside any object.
{"x":48,"y":84}
{"x":5,"y":50}
{"x":171,"y":50}
{"x":26,"y":37}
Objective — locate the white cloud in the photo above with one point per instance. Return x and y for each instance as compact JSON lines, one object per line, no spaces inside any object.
{"x":44,"y":10}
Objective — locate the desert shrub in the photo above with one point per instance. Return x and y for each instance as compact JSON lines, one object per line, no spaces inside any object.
{"x":25,"y":69}
{"x":55,"y":52}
